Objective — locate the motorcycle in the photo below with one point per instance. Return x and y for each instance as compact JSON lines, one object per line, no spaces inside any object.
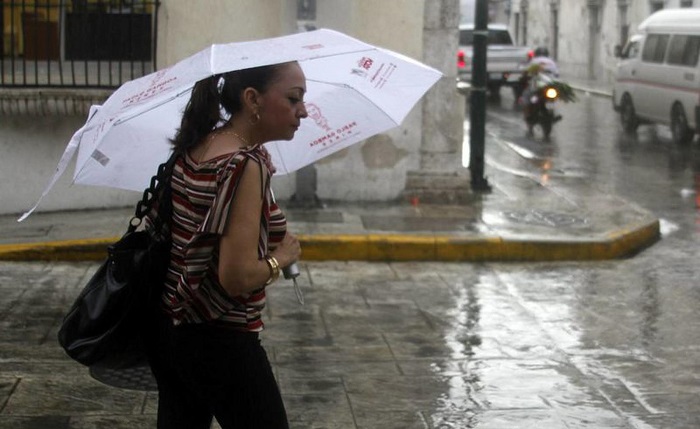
{"x":539,"y":98}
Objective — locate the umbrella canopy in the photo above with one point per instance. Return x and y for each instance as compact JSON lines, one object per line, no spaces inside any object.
{"x":354,"y":91}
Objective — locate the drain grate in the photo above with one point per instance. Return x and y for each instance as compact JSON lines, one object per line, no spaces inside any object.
{"x":544,"y":218}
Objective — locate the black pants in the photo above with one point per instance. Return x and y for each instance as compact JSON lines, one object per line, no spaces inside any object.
{"x":205,"y":371}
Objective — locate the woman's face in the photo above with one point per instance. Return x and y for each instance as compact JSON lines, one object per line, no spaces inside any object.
{"x":282,"y":105}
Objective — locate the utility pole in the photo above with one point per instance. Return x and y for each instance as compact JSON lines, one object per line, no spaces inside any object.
{"x":477,"y":99}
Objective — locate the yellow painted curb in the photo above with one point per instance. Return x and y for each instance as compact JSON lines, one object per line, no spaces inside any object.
{"x":620,"y":244}
{"x":334,"y":247}
{"x":91,"y":249}
{"x":393,"y":247}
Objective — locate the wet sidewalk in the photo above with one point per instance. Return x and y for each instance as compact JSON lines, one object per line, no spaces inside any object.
{"x":404,"y":345}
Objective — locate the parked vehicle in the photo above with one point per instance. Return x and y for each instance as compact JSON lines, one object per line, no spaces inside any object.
{"x":658,"y":75}
{"x":504,"y":60}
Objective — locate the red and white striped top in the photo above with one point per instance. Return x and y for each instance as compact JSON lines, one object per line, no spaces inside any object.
{"x":202,"y":196}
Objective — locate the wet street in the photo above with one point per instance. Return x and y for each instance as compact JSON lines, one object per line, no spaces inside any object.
{"x":560,"y":345}
{"x":633,"y":324}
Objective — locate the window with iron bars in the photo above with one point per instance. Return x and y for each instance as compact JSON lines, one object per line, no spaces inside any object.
{"x":76,"y":43}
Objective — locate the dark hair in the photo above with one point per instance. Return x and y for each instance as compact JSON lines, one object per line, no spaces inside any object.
{"x":203,"y":111}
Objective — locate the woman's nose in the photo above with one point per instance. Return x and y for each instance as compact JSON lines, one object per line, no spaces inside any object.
{"x":303,"y":113}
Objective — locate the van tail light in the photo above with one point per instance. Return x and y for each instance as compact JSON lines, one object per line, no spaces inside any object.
{"x":530,"y":54}
{"x":461,"y":61}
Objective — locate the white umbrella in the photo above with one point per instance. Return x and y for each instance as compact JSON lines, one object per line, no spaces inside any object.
{"x":354,"y":91}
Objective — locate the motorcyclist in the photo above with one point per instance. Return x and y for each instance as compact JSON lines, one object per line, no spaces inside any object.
{"x":539,"y":70}
{"x":540,"y":61}
{"x":547,"y":65}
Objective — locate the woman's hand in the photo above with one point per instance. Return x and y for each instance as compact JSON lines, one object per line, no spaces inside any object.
{"x":287,"y":251}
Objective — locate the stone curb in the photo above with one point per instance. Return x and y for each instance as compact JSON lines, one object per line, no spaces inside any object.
{"x":395,"y":247}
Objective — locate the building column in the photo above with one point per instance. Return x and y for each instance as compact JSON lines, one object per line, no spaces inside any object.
{"x":441,"y":177}
{"x":524,"y":6}
{"x":443,"y":106}
{"x":554,"y":29}
{"x":594,"y":40}
{"x":623,"y":21}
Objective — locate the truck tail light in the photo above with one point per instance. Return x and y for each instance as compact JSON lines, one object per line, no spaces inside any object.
{"x":461,"y":61}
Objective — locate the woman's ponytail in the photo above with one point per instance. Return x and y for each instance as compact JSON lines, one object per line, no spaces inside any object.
{"x":201,"y":114}
{"x":211,"y":95}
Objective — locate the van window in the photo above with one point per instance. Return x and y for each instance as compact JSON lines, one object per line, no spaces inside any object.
{"x":655,"y":48}
{"x":683,"y":50}
{"x":631,"y":50}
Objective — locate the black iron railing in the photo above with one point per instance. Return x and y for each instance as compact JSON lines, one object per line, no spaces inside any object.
{"x":76,"y":43}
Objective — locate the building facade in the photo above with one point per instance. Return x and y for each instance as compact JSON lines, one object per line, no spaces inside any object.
{"x":582,"y":34}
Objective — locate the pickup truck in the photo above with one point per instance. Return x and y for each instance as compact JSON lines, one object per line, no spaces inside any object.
{"x":505,"y":62}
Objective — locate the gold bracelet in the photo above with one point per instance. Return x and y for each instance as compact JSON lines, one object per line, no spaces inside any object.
{"x":274,"y":269}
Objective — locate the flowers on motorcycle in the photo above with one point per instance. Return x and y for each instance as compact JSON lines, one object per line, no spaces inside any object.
{"x":564,"y":91}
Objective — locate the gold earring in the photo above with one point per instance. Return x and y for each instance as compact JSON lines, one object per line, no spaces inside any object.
{"x":254,"y":119}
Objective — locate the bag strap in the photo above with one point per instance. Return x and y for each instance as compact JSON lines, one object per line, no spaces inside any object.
{"x":158,"y":190}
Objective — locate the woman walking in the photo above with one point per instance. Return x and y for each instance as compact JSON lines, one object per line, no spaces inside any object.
{"x":229,"y":243}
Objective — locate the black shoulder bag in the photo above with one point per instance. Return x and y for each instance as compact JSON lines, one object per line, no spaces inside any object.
{"x":109,"y":321}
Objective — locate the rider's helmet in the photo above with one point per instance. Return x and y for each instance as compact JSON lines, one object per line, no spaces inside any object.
{"x":541,"y":52}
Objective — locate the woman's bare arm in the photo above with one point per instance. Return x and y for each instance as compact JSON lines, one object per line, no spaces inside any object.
{"x":240,"y":270}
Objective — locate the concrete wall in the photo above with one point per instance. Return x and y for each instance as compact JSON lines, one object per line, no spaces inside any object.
{"x":375,"y":169}
{"x":184,"y":28}
{"x":31,"y":147}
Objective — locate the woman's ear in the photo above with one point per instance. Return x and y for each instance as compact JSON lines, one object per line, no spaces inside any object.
{"x":251,"y":99}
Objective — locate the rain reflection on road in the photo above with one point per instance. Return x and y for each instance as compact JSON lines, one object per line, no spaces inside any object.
{"x":612,"y":344}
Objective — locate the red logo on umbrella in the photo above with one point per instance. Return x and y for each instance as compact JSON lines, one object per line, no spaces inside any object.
{"x":365,"y":63}
{"x":315,"y":113}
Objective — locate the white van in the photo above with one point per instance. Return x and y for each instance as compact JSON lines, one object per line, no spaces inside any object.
{"x":658,"y":76}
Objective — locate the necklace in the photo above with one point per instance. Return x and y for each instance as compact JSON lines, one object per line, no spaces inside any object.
{"x":210,"y":139}
{"x":231,"y":133}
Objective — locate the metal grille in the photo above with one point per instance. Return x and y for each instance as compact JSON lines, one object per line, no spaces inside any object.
{"x":544,"y":218}
{"x":76,"y":43}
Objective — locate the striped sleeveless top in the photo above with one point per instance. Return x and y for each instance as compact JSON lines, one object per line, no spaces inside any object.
{"x":202,"y":196}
